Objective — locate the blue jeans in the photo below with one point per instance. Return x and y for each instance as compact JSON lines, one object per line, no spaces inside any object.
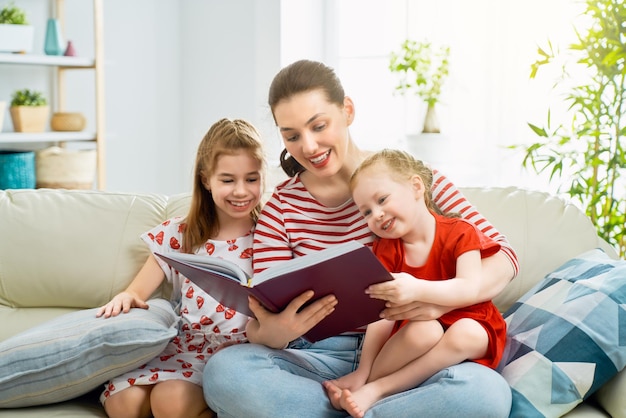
{"x":251,"y":380}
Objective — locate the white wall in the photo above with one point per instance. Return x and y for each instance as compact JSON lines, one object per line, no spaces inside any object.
{"x":172,"y":68}
{"x":230,"y":52}
{"x":143,"y":95}
{"x":488,"y":97}
{"x":191,"y":63}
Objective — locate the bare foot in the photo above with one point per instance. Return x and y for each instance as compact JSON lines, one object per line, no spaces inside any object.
{"x":357,"y":402}
{"x":333,"y":392}
{"x":352,"y":381}
{"x":349,"y":404}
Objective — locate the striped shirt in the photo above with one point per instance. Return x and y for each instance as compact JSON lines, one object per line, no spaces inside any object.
{"x":293,"y":223}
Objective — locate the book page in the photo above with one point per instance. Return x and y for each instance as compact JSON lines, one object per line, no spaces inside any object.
{"x":217,"y":265}
{"x":305,"y":261}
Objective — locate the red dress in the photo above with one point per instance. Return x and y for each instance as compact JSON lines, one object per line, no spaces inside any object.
{"x":453,"y":237}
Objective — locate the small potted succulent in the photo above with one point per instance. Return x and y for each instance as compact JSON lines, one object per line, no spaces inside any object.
{"x":16,"y":35}
{"x":423,"y":68}
{"x":29,"y":111}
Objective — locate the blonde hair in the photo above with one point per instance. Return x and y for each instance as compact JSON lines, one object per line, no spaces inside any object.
{"x":402,"y":166}
{"x":225,"y":137}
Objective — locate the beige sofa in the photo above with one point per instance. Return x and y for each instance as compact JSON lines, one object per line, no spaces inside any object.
{"x":63,"y":251}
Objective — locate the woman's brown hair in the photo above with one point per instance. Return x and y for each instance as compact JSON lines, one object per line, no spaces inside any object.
{"x":299,"y":77}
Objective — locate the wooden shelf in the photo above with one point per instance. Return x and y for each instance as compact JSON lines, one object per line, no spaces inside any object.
{"x":52,"y":60}
{"x":19,"y":137}
{"x":60,"y":64}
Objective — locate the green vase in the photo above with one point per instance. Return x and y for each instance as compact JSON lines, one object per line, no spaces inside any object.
{"x":54,"y":44}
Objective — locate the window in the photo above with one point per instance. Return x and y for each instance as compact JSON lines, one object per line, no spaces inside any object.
{"x":486,"y":101}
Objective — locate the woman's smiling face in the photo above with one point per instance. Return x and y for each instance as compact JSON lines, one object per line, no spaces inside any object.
{"x":315,"y":131}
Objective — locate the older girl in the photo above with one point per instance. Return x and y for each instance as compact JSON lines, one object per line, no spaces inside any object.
{"x":225,"y":203}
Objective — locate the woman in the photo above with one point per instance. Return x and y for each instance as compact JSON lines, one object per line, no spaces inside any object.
{"x":308,"y":212}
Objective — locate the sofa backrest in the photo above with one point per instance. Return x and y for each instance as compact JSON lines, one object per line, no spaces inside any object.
{"x":74,"y":249}
{"x":71,"y":249}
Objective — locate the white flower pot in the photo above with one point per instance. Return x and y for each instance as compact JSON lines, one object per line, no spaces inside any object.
{"x":16,"y":38}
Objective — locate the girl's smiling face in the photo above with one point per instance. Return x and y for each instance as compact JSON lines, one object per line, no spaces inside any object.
{"x":235,"y":185}
{"x":388,"y":205}
{"x":315,"y":131}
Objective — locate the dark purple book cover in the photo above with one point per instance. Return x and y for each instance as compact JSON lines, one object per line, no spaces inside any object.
{"x":345,"y":270}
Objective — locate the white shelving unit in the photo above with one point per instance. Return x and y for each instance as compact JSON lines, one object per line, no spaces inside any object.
{"x":62,"y":64}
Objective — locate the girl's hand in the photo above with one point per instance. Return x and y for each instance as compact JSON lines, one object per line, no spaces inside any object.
{"x":402,"y":299}
{"x":122,"y":302}
{"x":276,"y":330}
{"x":402,"y":290}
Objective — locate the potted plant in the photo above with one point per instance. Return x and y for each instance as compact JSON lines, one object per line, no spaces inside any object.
{"x":586,"y":152}
{"x":29,"y":111}
{"x":16,"y":35}
{"x":424,"y":68}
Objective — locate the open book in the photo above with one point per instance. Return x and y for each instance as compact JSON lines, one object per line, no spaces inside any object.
{"x":344,"y":270}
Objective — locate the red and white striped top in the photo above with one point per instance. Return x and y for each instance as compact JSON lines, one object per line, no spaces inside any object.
{"x":293,"y":223}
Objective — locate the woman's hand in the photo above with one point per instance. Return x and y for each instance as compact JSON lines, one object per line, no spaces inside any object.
{"x":414,"y":311}
{"x":276,"y":330}
{"x":122,"y":302}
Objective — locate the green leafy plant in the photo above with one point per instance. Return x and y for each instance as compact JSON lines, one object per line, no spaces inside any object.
{"x":423,"y":66}
{"x":586,"y":151}
{"x":13,"y":15}
{"x":28,"y":97}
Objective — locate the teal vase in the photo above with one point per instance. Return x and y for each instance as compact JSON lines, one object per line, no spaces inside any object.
{"x":54,"y":44}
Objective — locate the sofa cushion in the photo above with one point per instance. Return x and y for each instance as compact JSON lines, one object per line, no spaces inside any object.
{"x":611,"y":396}
{"x":76,"y":352}
{"x":563,"y":338}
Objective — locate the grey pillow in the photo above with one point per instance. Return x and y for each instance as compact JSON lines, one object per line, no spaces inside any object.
{"x":74,"y":353}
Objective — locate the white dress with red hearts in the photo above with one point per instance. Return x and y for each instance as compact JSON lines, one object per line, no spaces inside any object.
{"x":205,"y":323}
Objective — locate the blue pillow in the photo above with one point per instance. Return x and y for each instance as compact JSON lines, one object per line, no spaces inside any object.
{"x":75,"y":353}
{"x":566,"y":336}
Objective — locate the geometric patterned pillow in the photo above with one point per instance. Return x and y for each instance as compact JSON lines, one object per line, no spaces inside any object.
{"x":75,"y":353}
{"x":566,"y":337}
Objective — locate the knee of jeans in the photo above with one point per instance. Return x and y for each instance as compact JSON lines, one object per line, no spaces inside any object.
{"x":218,"y":366}
{"x":217,"y":371}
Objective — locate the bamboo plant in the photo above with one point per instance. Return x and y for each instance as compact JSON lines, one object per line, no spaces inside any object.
{"x":585,"y":152}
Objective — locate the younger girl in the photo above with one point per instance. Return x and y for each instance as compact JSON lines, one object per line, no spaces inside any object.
{"x":225,"y":204}
{"x":435,"y":259}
